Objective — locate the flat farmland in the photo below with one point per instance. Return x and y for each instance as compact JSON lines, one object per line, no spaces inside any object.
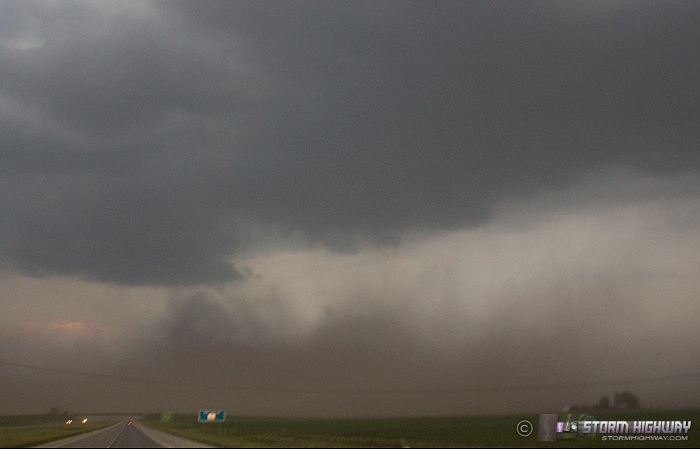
{"x":488,"y":431}
{"x":32,"y":430}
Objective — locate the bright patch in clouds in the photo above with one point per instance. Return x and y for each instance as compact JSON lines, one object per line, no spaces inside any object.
{"x":64,"y":329}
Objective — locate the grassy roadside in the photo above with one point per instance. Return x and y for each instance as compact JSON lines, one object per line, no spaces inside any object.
{"x":281,"y":432}
{"x":33,"y":435}
{"x":487,"y":431}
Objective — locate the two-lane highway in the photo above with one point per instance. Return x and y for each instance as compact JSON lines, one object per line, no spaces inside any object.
{"x":122,"y":435}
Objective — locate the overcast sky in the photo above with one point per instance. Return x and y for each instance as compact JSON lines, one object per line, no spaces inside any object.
{"x":348,"y":208}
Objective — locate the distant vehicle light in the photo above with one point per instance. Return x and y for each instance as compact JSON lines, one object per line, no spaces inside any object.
{"x":70,"y":421}
{"x":85,"y":420}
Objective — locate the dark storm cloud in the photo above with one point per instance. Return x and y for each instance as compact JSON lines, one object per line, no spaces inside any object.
{"x":136,"y":140}
{"x":499,"y":319}
{"x":198,"y":320}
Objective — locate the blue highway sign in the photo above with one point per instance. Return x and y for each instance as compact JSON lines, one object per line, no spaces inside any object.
{"x":212,"y":416}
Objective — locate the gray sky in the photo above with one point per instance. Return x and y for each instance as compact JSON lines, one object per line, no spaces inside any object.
{"x":348,"y":208}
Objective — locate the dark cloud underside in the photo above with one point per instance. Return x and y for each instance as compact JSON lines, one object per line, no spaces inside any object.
{"x":136,"y":142}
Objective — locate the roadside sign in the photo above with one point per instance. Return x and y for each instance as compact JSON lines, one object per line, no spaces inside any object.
{"x":212,"y":416}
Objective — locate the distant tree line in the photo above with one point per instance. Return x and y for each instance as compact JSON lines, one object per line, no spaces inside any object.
{"x":621,"y":401}
{"x":56,"y":412}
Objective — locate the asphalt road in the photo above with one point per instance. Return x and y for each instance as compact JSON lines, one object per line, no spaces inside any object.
{"x":120,"y":435}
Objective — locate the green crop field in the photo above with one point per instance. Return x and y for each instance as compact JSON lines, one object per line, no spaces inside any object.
{"x":31,"y":420}
{"x":32,"y":430}
{"x":486,"y":431}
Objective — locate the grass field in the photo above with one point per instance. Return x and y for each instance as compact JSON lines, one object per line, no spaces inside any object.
{"x":488,"y":431}
{"x":31,"y":420}
{"x":32,"y":430}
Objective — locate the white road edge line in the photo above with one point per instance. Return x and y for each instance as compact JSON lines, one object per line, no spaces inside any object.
{"x":115,"y":439}
{"x":70,"y":440}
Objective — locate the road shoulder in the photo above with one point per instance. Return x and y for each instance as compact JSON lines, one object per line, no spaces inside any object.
{"x":168,"y":440}
{"x":69,"y":440}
